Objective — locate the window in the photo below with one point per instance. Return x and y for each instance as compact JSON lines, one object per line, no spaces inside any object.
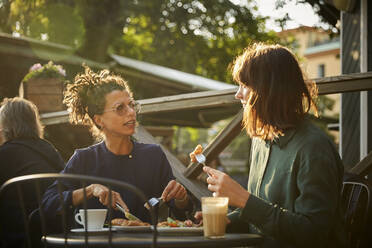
{"x":321,"y":70}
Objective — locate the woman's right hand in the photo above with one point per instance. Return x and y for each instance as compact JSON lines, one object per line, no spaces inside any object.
{"x":103,"y":194}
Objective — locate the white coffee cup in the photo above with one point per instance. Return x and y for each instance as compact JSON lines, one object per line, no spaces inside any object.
{"x":96,"y":218}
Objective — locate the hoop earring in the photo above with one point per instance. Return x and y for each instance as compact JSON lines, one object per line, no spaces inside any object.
{"x":95,"y":123}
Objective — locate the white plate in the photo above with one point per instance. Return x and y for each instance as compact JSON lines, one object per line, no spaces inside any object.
{"x":131,"y":228}
{"x":178,"y":230}
{"x":82,"y":230}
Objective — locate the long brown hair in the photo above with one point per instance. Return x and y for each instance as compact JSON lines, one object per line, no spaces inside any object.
{"x":86,"y":96}
{"x":278,"y":97}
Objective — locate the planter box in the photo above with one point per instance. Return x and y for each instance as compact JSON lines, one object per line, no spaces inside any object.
{"x":45,"y":93}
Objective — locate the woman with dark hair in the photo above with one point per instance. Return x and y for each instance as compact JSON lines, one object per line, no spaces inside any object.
{"x":23,"y":152}
{"x":295,"y":177}
{"x":105,"y":103}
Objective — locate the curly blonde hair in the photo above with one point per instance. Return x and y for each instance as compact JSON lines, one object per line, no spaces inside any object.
{"x":86,"y":96}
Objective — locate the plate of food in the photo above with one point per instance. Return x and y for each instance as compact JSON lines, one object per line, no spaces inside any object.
{"x":124,"y":225}
{"x":177,"y":227}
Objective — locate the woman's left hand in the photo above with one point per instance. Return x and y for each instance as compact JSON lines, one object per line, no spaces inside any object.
{"x":223,"y":185}
{"x":174,"y":190}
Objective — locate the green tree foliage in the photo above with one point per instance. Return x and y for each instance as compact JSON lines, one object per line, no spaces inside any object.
{"x":196,"y":36}
{"x":45,"y":20}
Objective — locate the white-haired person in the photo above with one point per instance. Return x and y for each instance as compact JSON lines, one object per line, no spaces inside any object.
{"x":23,"y":151}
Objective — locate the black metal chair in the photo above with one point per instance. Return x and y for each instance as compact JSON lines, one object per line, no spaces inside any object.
{"x":35,"y":226}
{"x":356,"y":206}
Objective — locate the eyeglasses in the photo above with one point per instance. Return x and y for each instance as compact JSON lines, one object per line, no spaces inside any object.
{"x":122,"y":108}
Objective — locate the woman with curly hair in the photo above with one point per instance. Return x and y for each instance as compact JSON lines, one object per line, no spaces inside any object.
{"x":295,"y":172}
{"x":105,"y":103}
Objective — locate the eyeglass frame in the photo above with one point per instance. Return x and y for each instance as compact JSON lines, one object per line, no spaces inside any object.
{"x":136,"y":107}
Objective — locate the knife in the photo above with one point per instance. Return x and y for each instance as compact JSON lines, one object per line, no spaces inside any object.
{"x":128,"y":215}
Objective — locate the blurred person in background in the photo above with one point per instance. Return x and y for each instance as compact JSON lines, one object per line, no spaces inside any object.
{"x":23,"y":151}
{"x":295,"y":177}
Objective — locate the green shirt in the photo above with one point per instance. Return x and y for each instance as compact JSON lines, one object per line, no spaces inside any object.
{"x":295,"y":184}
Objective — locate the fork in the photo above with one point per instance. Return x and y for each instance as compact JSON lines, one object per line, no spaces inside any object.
{"x":200,"y":158}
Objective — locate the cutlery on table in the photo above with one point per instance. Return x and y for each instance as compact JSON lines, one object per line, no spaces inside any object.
{"x":128,"y":215}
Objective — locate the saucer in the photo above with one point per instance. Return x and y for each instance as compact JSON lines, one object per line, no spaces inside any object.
{"x":82,"y":230}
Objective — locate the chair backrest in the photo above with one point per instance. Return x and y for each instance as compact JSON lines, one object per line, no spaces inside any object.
{"x":356,"y":206}
{"x":35,"y":221}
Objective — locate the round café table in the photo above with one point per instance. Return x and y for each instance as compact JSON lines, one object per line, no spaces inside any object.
{"x":121,"y":239}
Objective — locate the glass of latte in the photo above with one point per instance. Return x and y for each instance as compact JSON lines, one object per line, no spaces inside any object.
{"x":214,"y":216}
